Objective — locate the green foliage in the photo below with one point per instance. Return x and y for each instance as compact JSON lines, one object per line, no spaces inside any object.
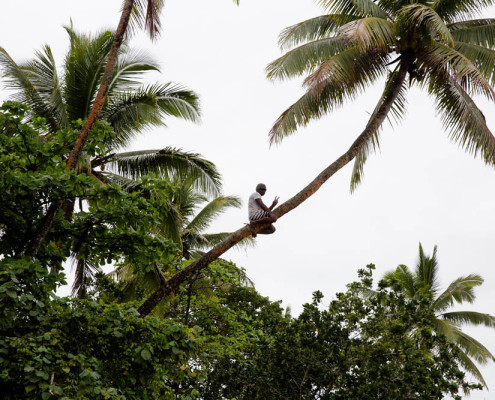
{"x":360,"y":41}
{"x":423,"y":281}
{"x":61,"y":348}
{"x":354,"y":348}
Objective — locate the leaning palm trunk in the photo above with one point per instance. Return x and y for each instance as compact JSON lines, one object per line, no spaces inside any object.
{"x":391,"y":92}
{"x":98,"y":104}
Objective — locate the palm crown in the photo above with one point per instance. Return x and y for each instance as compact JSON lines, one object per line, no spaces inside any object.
{"x":131,"y":107}
{"x":435,"y":43}
{"x":424,"y":280}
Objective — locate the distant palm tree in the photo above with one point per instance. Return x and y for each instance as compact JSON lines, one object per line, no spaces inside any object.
{"x":192,"y":214}
{"x":424,"y":280}
{"x":62,"y":97}
{"x":431,"y":44}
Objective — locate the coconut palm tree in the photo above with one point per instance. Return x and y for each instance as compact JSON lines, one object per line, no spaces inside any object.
{"x":424,"y":280}
{"x":62,"y":97}
{"x":435,"y":45}
{"x":431,"y":44}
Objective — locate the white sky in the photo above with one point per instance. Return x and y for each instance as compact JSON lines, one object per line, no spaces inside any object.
{"x":420,"y":187}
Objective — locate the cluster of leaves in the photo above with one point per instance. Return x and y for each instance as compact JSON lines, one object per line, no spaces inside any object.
{"x":382,"y":346}
{"x":61,"y":348}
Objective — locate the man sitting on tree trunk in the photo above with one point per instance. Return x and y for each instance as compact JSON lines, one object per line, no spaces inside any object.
{"x":259,"y":213}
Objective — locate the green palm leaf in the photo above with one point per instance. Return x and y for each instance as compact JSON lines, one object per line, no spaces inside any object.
{"x":109,"y":178}
{"x":373,"y":144}
{"x":213,"y":209}
{"x":305,"y":58}
{"x":461,"y":290}
{"x":481,"y":57}
{"x":450,"y":10}
{"x":427,"y":270}
{"x":133,"y":111}
{"x":470,"y":318}
{"x":478,"y":31}
{"x":84,"y":275}
{"x":17,"y":78}
{"x":130,"y":68}
{"x":340,"y":78}
{"x":363,"y":8}
{"x":473,"y":348}
{"x":43,"y":73}
{"x":444,"y":60}
{"x":404,"y":277}
{"x":313,"y":29}
{"x":420,"y":15}
{"x":462,"y":119}
{"x":84,"y":68}
{"x":169,"y":162}
{"x":470,"y":367}
{"x":370,"y":33}
{"x":350,"y":67}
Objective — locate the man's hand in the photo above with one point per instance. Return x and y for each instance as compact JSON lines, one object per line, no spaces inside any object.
{"x":275,"y":202}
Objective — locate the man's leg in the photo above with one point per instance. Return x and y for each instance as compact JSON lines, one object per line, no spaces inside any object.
{"x":268,"y":230}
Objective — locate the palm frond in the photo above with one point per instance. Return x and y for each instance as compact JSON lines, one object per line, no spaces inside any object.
{"x":169,"y":162}
{"x":340,"y":78}
{"x":43,"y":75}
{"x":391,"y":6}
{"x":370,"y":33}
{"x":215,"y":238}
{"x":313,"y":29}
{"x":470,"y":367}
{"x":420,"y":15}
{"x":446,"y":328}
{"x":427,"y":270}
{"x":473,"y":348}
{"x":135,"y":110}
{"x":212,"y":210}
{"x":109,"y":178}
{"x":461,"y":118}
{"x":130,"y":67}
{"x":85,"y":272}
{"x":131,"y":279}
{"x":482,"y":58}
{"x":373,"y":144}
{"x":445,"y":61}
{"x":470,"y":318}
{"x":451,"y":10}
{"x":17,"y":78}
{"x":351,"y":66}
{"x":84,"y":68}
{"x":363,"y":8}
{"x":146,"y":14}
{"x":405,"y":278}
{"x":478,"y":31}
{"x":305,"y":58}
{"x":461,"y":290}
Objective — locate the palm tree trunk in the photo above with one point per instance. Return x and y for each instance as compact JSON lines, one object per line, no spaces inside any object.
{"x":202,"y":262}
{"x":98,"y":104}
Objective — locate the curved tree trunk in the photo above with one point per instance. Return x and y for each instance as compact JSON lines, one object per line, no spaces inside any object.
{"x":373,"y":124}
{"x":98,"y":104}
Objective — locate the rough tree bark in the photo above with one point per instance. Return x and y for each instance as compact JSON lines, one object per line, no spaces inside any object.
{"x":373,"y":124}
{"x":98,"y":104}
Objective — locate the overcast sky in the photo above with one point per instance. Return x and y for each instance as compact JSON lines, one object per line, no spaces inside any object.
{"x":420,"y":187}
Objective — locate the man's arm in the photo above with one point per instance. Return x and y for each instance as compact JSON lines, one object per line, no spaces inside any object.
{"x":264,"y":207}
